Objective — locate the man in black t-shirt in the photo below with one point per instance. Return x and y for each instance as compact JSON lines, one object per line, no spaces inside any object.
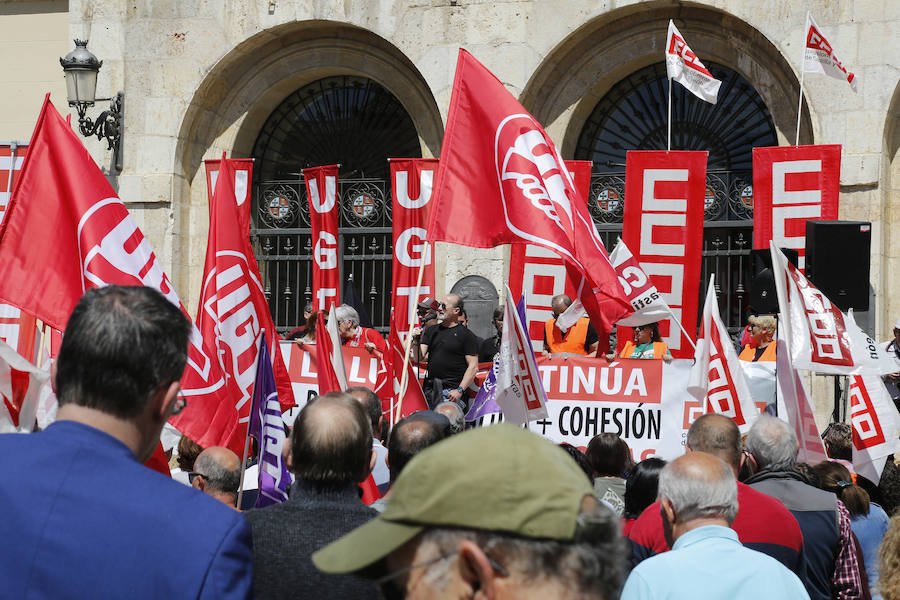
{"x":451,"y":351}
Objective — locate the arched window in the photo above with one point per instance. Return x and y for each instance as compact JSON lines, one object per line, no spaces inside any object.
{"x":346,"y":120}
{"x":632,"y":115}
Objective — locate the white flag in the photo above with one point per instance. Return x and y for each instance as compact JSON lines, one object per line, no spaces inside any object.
{"x":793,"y":396}
{"x":683,"y":66}
{"x":716,"y":378}
{"x":819,"y":56}
{"x":647,"y":302}
{"x":520,"y":392}
{"x":875,"y":422}
{"x":819,"y":336}
{"x":20,"y":387}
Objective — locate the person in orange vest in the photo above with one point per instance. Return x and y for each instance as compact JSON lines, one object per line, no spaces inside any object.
{"x":761,"y":347}
{"x":647,"y":344}
{"x":581,"y":338}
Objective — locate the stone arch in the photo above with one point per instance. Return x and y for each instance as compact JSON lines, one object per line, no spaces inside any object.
{"x":890,"y":214}
{"x":576,"y":74}
{"x":234,"y":99}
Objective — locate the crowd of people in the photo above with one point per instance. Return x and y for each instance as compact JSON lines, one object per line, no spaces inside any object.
{"x":491,"y":512}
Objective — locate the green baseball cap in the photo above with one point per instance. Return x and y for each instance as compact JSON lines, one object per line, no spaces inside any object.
{"x":499,"y":478}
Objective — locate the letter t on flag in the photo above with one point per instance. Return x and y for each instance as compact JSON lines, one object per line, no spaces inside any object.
{"x":683,"y":66}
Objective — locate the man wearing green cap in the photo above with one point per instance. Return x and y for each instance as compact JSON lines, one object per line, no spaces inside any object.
{"x":519,"y":521}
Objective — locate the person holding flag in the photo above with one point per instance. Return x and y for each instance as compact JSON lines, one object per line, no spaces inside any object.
{"x":647,"y":343}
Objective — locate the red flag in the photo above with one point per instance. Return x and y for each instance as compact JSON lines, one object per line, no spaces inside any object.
{"x":21,"y":386}
{"x":66,"y":231}
{"x":499,"y":163}
{"x":413,"y":397}
{"x":243,"y":175}
{"x":370,"y":491}
{"x":233,"y":312}
{"x":321,"y":190}
{"x":330,"y":372}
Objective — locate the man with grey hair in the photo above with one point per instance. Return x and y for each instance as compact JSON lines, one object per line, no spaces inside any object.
{"x":454,"y":413}
{"x":217,"y":473}
{"x":372,"y":403}
{"x":524,"y":524}
{"x":698,"y":498}
{"x":354,"y":334}
{"x":832,"y":569}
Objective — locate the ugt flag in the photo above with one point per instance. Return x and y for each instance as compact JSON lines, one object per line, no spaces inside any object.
{"x":267,"y":427}
{"x":233,"y":312}
{"x":649,"y":305}
{"x":519,"y":392}
{"x":717,"y":379}
{"x":683,"y":66}
{"x":66,"y":231}
{"x":501,"y":181}
{"x":819,"y":56}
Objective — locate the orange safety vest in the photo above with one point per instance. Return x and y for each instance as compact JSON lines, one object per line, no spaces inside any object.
{"x":659,"y":349}
{"x":749,"y":353}
{"x":574,"y":339}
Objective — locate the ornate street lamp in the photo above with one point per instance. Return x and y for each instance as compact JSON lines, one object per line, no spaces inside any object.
{"x":81,"y":67}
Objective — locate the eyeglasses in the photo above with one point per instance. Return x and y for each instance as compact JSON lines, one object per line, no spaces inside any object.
{"x":180,"y":404}
{"x":391,"y":591}
{"x":193,"y":475}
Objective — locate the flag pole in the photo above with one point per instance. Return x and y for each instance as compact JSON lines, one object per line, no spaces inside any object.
{"x":44,"y":329}
{"x":669,"y":137}
{"x":802,"y":73}
{"x":408,"y":344}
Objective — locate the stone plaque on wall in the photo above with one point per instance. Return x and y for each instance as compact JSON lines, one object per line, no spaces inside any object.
{"x":480,"y":300}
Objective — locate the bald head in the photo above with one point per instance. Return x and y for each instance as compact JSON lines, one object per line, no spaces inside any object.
{"x":454,"y":414}
{"x":331,"y":441}
{"x":699,"y":486}
{"x":717,"y":435}
{"x":560,"y":303}
{"x":218,"y":471}
{"x":412,"y":435}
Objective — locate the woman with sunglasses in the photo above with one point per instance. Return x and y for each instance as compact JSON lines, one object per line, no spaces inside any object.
{"x":647,"y":344}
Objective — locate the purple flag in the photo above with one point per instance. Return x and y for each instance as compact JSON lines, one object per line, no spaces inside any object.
{"x":267,"y":426}
{"x":485,"y":402}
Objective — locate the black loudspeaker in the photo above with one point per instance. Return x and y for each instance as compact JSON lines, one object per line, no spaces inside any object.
{"x":837,"y":261}
{"x":763,"y":297}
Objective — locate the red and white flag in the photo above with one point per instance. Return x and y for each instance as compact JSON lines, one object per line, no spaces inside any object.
{"x":11,"y":158}
{"x":819,"y":336}
{"x":819,"y":56}
{"x":717,"y":378}
{"x":21,"y":387}
{"x":66,"y":231}
{"x":683,"y":66}
{"x":875,"y":423}
{"x":243,"y":175}
{"x":411,"y":186}
{"x":520,"y":390}
{"x":793,"y":185}
{"x":233,"y":312}
{"x":793,"y":396}
{"x":330,"y":371}
{"x":321,"y":190}
{"x":538,"y":274}
{"x":648,"y":303}
{"x":663,"y":224}
{"x":497,"y":162}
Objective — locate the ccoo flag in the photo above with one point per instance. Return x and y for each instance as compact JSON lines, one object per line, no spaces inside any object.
{"x":819,"y":56}
{"x":683,"y":66}
{"x":520,"y":391}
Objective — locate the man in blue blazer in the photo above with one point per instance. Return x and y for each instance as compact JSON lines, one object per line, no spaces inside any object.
{"x":80,"y":516}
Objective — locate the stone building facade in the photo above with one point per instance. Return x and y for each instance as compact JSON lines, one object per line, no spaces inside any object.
{"x":203,"y":77}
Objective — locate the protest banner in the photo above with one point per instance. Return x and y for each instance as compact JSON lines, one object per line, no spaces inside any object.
{"x":361,"y":366}
{"x":322,"y":193}
{"x":243,"y":175}
{"x":643,"y":401}
{"x":792,"y":185}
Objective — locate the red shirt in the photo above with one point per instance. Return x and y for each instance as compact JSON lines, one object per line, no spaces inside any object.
{"x":762,"y":523}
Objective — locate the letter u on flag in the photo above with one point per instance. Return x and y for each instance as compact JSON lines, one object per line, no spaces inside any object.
{"x":66,"y":231}
{"x":501,"y":181}
{"x":683,"y":66}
